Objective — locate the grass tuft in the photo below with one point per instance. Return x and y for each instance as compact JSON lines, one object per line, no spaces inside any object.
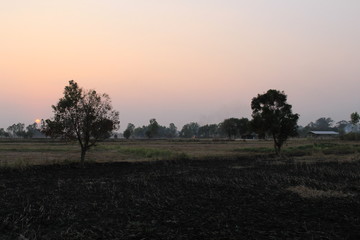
{"x":306,"y":192}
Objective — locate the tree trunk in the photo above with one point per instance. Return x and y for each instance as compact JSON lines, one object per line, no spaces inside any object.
{"x":277,"y":145}
{"x":82,"y":160}
{"x":277,"y":149}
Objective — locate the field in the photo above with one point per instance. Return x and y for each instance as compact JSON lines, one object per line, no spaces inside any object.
{"x":180,"y":190}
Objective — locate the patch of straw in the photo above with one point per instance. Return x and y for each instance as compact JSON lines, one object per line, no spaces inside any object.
{"x":306,"y":192}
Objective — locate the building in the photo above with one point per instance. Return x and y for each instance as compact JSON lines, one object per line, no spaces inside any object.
{"x":323,"y":134}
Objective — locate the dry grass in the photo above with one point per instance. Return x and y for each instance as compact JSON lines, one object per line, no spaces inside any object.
{"x":306,"y":192}
{"x":135,"y":150}
{"x":241,"y":167}
{"x":23,"y":153}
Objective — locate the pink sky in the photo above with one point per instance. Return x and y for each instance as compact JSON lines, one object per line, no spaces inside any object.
{"x":180,"y":61}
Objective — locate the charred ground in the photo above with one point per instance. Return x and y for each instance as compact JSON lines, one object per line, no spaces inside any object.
{"x":246,"y":197}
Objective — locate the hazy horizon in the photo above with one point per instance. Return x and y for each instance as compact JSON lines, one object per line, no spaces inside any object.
{"x":180,"y":61}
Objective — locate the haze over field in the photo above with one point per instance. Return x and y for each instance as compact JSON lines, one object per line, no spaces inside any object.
{"x":181,"y":60}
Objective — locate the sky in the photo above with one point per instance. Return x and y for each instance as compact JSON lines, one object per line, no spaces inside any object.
{"x":180,"y":61}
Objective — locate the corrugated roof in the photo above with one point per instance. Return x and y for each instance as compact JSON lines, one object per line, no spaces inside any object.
{"x":325,"y":132}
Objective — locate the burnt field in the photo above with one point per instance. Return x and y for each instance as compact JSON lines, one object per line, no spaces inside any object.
{"x":243,"y":197}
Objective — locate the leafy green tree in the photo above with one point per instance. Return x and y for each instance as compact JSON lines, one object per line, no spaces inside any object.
{"x":31,"y":130}
{"x":82,"y":115}
{"x":3,"y":133}
{"x":233,"y":127}
{"x":172,"y":131}
{"x":167,"y":132}
{"x":243,"y":127}
{"x":341,"y":125}
{"x":129,"y":130}
{"x":131,"y":127}
{"x":273,"y":116}
{"x":127,"y":133}
{"x":152,"y":128}
{"x":190,"y":130}
{"x":321,"y":124}
{"x":208,"y":131}
{"x":230,"y":127}
{"x":17,"y":130}
{"x":11,"y":130}
{"x":204,"y":131}
{"x":354,"y":119}
{"x":139,"y":132}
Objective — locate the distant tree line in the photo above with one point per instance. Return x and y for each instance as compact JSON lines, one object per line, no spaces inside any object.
{"x":20,"y":131}
{"x":230,"y":128}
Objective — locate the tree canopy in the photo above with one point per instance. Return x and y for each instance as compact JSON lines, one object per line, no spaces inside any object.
{"x":152,"y":128}
{"x":273,"y":116}
{"x":208,"y":131}
{"x":322,"y":124}
{"x":190,"y":130}
{"x":17,"y":130}
{"x":354,"y":118}
{"x":82,"y":115}
{"x":129,"y":130}
{"x":234,"y":127}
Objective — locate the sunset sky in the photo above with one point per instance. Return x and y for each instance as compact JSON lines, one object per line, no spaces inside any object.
{"x":180,"y":60}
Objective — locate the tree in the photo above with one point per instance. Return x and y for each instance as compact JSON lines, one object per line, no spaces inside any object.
{"x":341,"y":125}
{"x":230,"y":127}
{"x":155,"y":129}
{"x":3,"y":133}
{"x":82,"y":115}
{"x":322,"y":124}
{"x":208,"y":131}
{"x":31,"y":130}
{"x":139,"y":132}
{"x":171,"y":131}
{"x":11,"y":130}
{"x":234,"y":127}
{"x":17,"y":130}
{"x":129,"y":130}
{"x":152,"y":128}
{"x":190,"y":130}
{"x":127,"y":133}
{"x":273,"y":116}
{"x":243,"y":127}
{"x":354,"y":119}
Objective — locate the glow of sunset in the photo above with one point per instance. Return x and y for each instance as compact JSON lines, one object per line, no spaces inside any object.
{"x":181,"y":60}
